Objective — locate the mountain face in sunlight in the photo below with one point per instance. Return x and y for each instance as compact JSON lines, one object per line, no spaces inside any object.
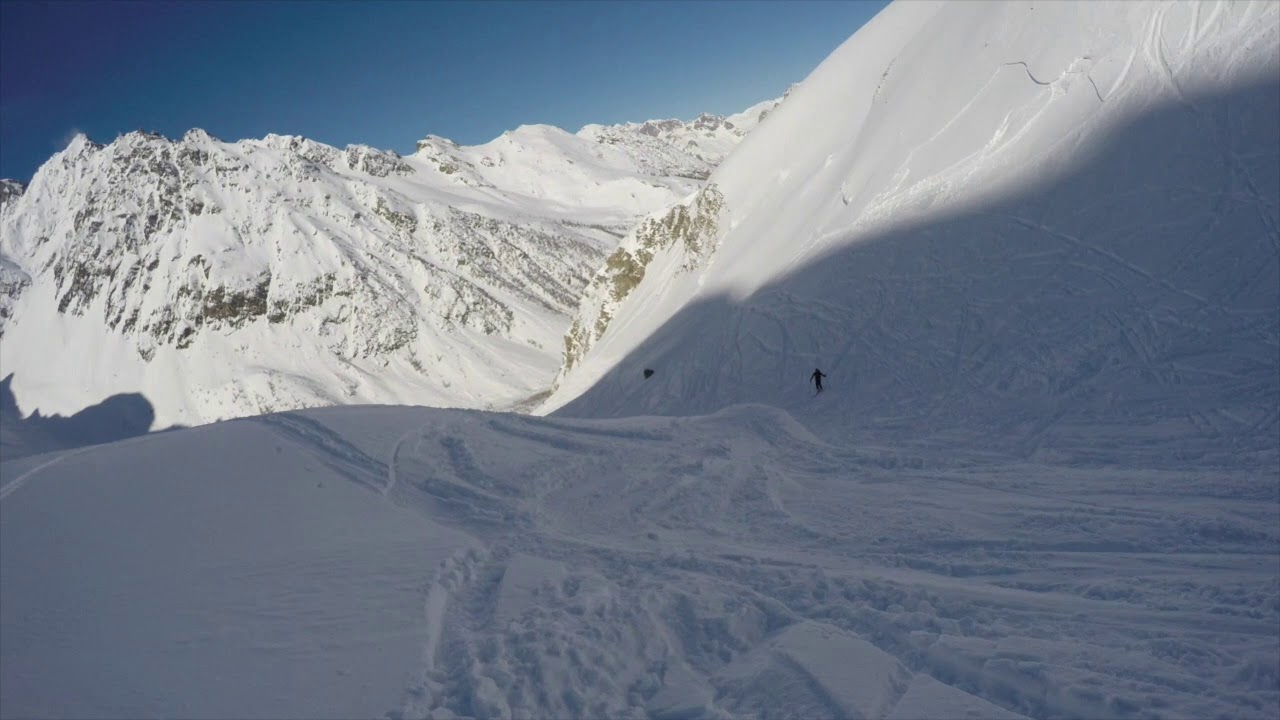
{"x":223,"y":279}
{"x":1042,"y":227}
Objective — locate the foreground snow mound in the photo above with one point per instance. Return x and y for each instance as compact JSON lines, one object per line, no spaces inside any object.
{"x":224,"y":571}
{"x":399,"y":562}
{"x":1037,"y":227}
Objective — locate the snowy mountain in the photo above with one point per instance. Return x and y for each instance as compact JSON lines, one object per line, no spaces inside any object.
{"x":667,"y":146}
{"x":225,"y":279}
{"x":1027,"y":225}
{"x":1033,"y":246}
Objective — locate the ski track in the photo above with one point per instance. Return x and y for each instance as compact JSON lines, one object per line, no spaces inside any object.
{"x":13,"y":485}
{"x":331,"y":449}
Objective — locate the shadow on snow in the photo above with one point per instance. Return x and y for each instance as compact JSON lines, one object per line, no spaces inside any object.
{"x":116,"y":418}
{"x":1126,"y":309}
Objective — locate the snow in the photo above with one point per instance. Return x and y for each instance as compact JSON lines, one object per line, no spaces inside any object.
{"x":928,"y":698}
{"x":116,"y":418}
{"x":359,"y":561}
{"x":817,"y":669}
{"x":522,"y":580}
{"x":1043,"y":479}
{"x":222,"y":572}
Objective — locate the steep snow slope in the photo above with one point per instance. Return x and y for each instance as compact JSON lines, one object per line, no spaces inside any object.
{"x":223,"y":279}
{"x":408,"y":563}
{"x":1028,"y":226}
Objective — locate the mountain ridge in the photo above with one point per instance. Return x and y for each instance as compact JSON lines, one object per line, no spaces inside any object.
{"x":440,"y":277}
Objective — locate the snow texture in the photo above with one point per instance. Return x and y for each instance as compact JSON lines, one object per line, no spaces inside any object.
{"x":1034,"y":248}
{"x":362,"y":561}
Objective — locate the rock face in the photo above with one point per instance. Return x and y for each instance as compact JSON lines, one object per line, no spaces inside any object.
{"x":225,"y":279}
{"x":688,"y":230}
{"x":10,"y":190}
{"x":12,"y":279}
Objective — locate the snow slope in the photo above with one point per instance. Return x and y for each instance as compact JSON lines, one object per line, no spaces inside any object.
{"x":408,"y":562}
{"x":1033,"y":227}
{"x":225,"y":279}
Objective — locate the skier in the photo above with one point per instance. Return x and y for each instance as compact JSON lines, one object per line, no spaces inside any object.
{"x":816,"y":377}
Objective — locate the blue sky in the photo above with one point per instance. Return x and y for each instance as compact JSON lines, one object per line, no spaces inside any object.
{"x":389,"y":73}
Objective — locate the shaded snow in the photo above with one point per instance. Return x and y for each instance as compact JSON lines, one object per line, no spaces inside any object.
{"x":116,"y":418}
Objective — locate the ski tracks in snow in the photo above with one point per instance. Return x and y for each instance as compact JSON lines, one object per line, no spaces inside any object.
{"x":12,"y":486}
{"x":733,"y":565}
{"x":330,"y":448}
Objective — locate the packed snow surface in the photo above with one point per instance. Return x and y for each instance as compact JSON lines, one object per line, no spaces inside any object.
{"x":1033,"y":246}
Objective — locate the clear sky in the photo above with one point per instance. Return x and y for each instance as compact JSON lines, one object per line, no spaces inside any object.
{"x":388,"y":73}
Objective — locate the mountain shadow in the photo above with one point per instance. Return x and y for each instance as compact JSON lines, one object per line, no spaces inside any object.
{"x":116,"y":418}
{"x":1124,"y":310}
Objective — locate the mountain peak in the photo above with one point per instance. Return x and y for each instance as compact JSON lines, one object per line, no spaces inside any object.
{"x":198,"y":136}
{"x":80,"y":144}
{"x":141,"y":135}
{"x":707,"y":139}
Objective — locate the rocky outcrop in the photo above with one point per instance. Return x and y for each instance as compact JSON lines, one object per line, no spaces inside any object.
{"x":690,"y":229}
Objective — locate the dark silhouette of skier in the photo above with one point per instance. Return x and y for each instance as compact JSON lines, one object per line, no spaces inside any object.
{"x":816,"y":377}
